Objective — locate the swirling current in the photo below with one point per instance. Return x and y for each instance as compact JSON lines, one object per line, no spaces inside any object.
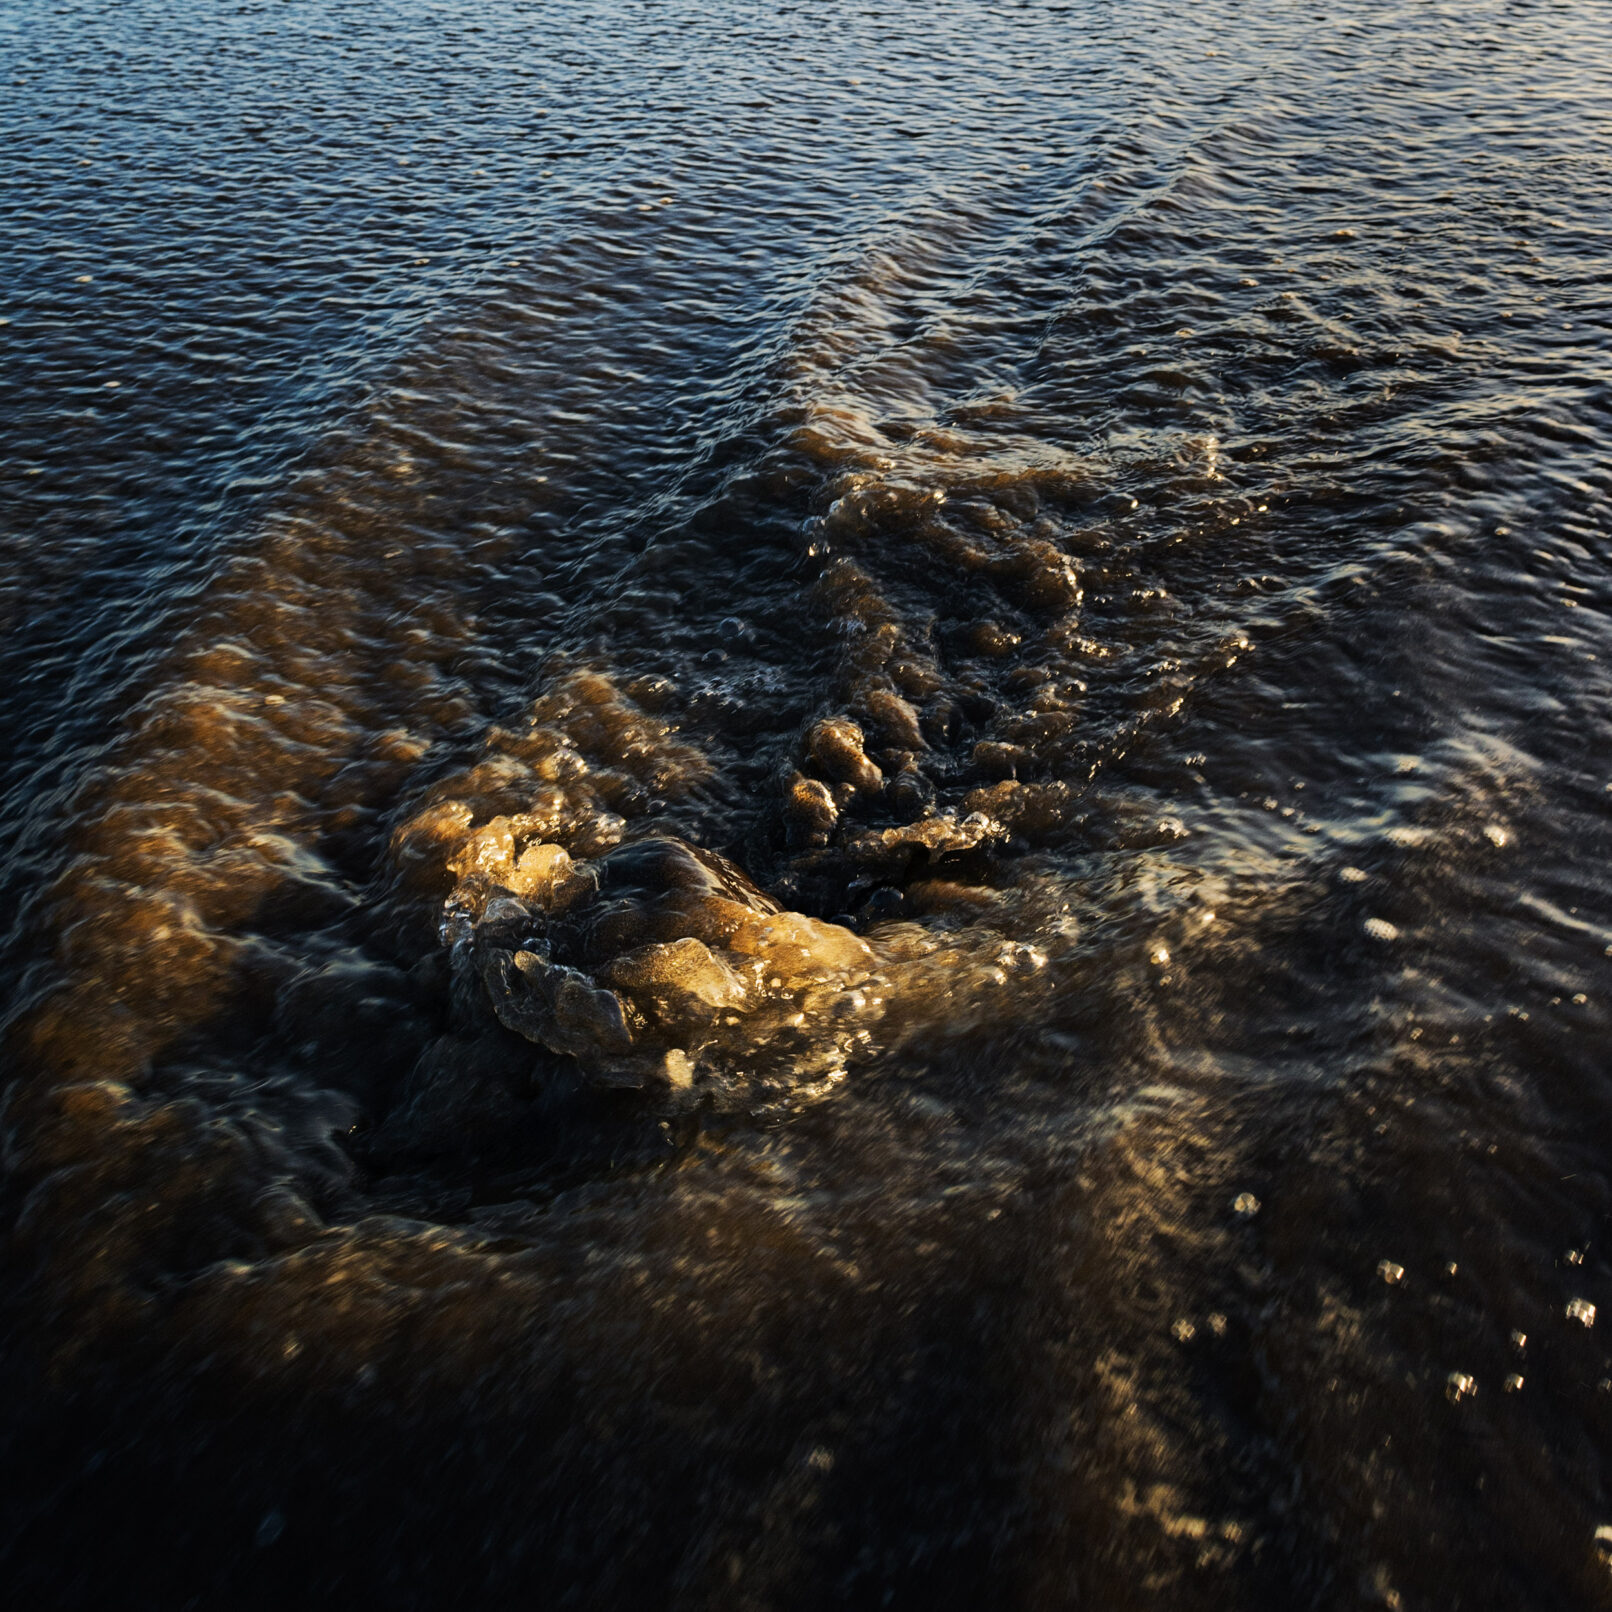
{"x":806,"y":805}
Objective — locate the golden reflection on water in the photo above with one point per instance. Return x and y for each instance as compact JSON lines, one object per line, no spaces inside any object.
{"x":904,"y":776}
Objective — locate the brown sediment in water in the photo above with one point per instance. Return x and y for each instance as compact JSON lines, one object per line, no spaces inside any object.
{"x":794,"y":912}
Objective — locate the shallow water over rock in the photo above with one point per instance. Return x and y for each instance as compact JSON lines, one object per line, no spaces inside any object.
{"x":807,"y":806}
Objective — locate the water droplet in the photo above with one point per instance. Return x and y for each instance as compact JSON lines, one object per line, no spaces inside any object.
{"x":1245,"y":1203}
{"x":1380,"y":929}
{"x":1458,"y":1386}
{"x":1495,"y":834}
{"x":1582,"y":1311}
{"x":1513,"y":1383}
{"x":1391,"y":1273}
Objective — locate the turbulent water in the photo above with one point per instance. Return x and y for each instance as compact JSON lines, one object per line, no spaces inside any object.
{"x":807,"y":806}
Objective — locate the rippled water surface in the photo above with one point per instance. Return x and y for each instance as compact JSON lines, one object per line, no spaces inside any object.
{"x":807,"y":806}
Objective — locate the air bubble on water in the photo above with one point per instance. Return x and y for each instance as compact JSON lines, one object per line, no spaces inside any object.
{"x":1380,"y":929}
{"x":1159,"y":956}
{"x":1582,"y":1311}
{"x":1245,"y":1203}
{"x":1022,"y":957}
{"x":1354,"y":875}
{"x":1391,"y":1273}
{"x":1183,"y":1331}
{"x":1458,"y":1386}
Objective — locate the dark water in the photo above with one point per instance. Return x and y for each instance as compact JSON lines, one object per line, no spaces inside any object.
{"x":807,"y":806}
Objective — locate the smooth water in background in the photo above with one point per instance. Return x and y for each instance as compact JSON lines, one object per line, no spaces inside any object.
{"x":806,"y":805}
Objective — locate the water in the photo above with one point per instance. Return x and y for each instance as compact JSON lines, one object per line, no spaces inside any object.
{"x":807,"y":806}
